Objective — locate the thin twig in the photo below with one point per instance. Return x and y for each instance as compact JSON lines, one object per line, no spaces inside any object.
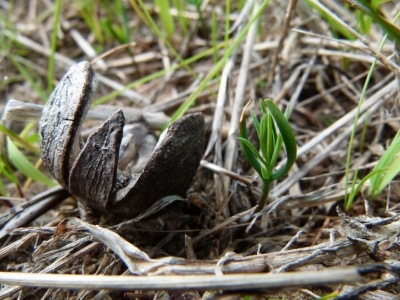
{"x":286,"y":25}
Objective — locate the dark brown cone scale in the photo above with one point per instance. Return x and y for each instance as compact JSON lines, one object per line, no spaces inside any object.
{"x":171,"y":168}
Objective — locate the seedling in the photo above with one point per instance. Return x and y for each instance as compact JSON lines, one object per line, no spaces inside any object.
{"x":273,"y":130}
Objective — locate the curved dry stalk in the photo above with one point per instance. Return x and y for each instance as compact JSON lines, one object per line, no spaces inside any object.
{"x":286,"y":24}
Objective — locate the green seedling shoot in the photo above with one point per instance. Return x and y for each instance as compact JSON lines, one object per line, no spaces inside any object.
{"x":273,"y":130}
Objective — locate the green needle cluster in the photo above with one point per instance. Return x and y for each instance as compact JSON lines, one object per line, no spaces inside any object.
{"x":273,"y":131}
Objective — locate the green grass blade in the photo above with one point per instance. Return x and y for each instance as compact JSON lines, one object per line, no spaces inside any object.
{"x":353,"y":132}
{"x":227,"y":21}
{"x":3,"y":190}
{"x":27,"y":76}
{"x":136,"y":7}
{"x":166,"y":19}
{"x":19,"y":140}
{"x":50,"y":73}
{"x":364,"y":22}
{"x":180,"y":6}
{"x":153,"y":76}
{"x":218,"y":67}
{"x":390,"y":161}
{"x":28,"y":129}
{"x":6,"y":170}
{"x":391,"y":29}
{"x":355,"y":190}
{"x":86,"y":9}
{"x":160,"y":35}
{"x":388,"y":176}
{"x":214,"y":36}
{"x":25,"y":166}
{"x":335,"y":27}
{"x":125,"y":25}
{"x":114,"y":31}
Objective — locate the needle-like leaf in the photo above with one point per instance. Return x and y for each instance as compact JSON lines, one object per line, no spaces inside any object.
{"x":273,"y":130}
{"x":256,"y":155}
{"x":287,"y":136}
{"x":251,"y":157}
